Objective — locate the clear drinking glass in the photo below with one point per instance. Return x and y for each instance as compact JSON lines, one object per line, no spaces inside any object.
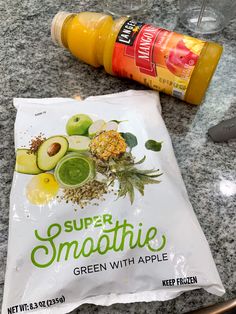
{"x":206,"y":16}
{"x":127,"y":7}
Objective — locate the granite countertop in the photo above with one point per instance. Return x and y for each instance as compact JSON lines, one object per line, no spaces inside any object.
{"x":31,"y":66}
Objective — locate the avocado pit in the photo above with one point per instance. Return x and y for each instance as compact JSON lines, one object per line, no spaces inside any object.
{"x":53,"y":149}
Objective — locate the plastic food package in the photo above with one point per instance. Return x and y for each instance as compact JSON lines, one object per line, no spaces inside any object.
{"x":99,"y":212}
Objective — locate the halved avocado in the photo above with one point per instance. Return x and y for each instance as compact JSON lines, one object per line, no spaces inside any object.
{"x":51,"y":151}
{"x":26,"y":162}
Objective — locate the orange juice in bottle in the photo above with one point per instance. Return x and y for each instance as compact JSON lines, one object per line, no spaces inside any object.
{"x":166,"y":61}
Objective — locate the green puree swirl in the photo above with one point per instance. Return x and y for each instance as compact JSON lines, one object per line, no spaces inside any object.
{"x":74,"y":171}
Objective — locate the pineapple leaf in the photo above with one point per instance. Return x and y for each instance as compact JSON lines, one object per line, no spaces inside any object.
{"x":137,"y":183}
{"x":118,"y":121}
{"x":155,"y":175}
{"x":140,"y":161}
{"x":122,"y":191}
{"x":147,"y":180}
{"x":130,"y":190}
{"x":147,"y":172}
{"x":122,"y":187}
{"x":131,"y":178}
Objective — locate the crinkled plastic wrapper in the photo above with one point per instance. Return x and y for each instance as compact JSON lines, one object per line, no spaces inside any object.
{"x":99,"y":212}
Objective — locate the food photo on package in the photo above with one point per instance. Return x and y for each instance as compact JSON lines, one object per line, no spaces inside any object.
{"x":99,"y":212}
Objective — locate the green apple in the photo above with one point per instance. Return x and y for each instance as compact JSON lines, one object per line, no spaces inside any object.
{"x":110,"y":126}
{"x":78,"y":143}
{"x":96,"y":128}
{"x":78,"y":124}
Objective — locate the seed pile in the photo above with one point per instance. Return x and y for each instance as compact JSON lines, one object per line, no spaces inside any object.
{"x":36,"y":142}
{"x":85,"y":194}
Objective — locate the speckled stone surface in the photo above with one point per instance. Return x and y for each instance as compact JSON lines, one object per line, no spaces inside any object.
{"x":31,"y":66}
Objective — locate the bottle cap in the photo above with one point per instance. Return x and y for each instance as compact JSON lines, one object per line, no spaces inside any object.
{"x":56,"y":27}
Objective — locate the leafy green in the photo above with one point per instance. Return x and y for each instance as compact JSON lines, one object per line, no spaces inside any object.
{"x":130,"y":139}
{"x":153,"y":145}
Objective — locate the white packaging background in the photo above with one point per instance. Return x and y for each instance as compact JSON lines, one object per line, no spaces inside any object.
{"x":164,"y":206}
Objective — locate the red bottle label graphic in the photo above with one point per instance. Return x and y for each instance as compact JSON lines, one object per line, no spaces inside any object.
{"x":158,"y":58}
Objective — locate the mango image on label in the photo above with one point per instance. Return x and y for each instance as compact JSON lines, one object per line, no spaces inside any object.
{"x":26,"y":162}
{"x":41,"y":189}
{"x":184,"y":55}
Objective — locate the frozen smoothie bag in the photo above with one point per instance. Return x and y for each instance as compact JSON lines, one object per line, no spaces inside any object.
{"x":99,"y":212}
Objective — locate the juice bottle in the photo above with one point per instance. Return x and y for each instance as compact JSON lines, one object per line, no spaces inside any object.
{"x":166,"y":61}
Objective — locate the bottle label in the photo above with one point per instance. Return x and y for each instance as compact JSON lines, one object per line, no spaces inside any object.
{"x":158,"y":58}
